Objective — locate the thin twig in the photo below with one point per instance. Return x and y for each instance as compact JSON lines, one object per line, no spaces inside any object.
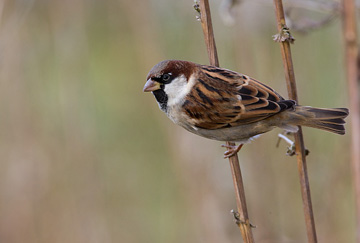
{"x":352,"y":72}
{"x":299,"y":141}
{"x":243,"y":222}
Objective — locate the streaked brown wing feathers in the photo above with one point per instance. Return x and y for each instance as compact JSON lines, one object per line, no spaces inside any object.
{"x":222,"y":98}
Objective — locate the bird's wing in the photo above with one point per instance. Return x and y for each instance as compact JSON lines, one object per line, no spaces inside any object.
{"x":223,"y":98}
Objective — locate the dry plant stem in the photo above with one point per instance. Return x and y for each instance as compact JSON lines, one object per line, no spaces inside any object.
{"x":351,"y":57}
{"x":206,"y":24}
{"x":299,"y":141}
{"x":244,"y":224}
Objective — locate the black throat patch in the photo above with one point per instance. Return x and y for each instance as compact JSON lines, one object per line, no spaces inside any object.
{"x":161,"y":98}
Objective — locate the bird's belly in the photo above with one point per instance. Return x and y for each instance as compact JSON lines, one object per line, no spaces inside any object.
{"x":242,"y":133}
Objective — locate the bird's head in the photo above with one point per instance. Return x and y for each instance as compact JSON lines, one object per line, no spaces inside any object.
{"x":169,"y":81}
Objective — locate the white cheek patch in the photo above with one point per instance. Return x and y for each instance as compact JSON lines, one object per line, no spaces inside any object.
{"x":178,"y":89}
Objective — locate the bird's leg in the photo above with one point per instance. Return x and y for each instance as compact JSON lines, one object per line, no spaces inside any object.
{"x":231,"y":150}
{"x":291,"y":148}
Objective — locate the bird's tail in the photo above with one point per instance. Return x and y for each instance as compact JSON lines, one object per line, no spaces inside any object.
{"x":331,"y":120}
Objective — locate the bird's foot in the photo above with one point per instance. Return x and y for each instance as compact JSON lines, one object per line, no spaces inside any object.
{"x":231,"y":150}
{"x":291,"y":149}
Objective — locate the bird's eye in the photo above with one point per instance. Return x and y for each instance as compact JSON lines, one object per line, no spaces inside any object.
{"x":166,"y":77}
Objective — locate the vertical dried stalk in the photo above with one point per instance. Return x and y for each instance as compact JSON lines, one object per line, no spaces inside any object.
{"x":351,"y":57}
{"x":244,"y":223}
{"x":299,"y":141}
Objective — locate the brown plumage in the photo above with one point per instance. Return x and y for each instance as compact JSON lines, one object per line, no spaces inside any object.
{"x":222,"y":98}
{"x":225,"y":105}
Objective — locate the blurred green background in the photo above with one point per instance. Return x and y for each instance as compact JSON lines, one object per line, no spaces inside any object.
{"x":86,"y":156}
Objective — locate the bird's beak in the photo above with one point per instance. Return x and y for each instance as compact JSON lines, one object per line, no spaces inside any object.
{"x":151,"y":86}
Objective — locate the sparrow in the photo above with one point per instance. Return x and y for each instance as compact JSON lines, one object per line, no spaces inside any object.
{"x":224,"y":105}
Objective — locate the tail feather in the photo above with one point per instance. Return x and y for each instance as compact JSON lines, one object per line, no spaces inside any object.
{"x":331,"y":120}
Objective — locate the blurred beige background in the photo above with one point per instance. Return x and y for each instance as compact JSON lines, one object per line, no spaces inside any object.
{"x":86,"y":156}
